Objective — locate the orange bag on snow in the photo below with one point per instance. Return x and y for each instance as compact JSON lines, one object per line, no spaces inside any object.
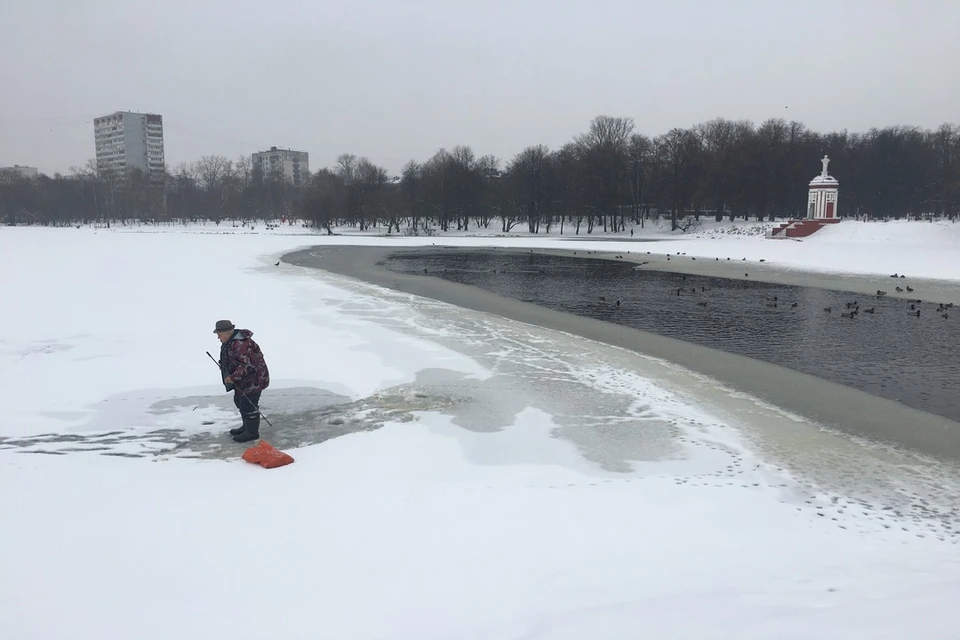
{"x":267,"y":456}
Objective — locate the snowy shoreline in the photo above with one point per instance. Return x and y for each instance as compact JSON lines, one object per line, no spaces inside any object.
{"x":853,"y":255}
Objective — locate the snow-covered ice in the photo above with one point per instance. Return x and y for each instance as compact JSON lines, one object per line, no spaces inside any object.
{"x":457,"y":475}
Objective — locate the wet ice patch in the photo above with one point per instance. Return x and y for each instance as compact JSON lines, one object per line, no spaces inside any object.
{"x":595,"y":408}
{"x":196,"y":426}
{"x":530,"y":439}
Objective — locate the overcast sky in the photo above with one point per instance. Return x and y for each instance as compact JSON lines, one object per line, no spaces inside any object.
{"x":398,"y":79}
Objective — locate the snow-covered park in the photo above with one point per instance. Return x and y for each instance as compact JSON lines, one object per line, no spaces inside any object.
{"x":457,"y":474}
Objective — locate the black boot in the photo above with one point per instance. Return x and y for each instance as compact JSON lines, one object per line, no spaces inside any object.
{"x":241,"y":428}
{"x":251,"y":431}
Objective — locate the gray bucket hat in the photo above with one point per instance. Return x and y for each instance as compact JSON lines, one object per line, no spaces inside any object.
{"x":224,"y":325}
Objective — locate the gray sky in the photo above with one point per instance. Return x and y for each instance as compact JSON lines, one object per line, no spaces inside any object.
{"x":394,"y":80}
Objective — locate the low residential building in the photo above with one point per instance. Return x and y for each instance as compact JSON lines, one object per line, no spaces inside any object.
{"x":20,"y":170}
{"x":286,"y":164}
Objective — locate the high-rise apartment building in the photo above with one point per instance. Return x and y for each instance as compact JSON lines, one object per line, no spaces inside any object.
{"x":292,"y":166}
{"x":127,"y":140}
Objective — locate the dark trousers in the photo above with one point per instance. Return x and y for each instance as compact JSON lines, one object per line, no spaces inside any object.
{"x":248,"y":405}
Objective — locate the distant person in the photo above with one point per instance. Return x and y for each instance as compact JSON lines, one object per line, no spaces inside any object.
{"x":244,"y":371}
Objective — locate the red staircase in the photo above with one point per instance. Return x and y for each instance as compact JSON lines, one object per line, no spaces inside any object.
{"x":800,"y":228}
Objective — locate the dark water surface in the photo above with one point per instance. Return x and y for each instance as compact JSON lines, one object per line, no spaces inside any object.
{"x":891,"y":352}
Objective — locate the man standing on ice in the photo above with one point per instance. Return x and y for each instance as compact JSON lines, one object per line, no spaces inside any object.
{"x":244,"y":371}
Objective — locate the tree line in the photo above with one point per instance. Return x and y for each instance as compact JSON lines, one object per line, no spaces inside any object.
{"x":607,"y":178}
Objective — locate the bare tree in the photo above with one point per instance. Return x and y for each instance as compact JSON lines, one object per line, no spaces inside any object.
{"x":603,"y":155}
{"x":210,"y":171}
{"x":722,"y":143}
{"x":411,"y":190}
{"x":371,"y":181}
{"x":640,"y":154}
{"x":488,"y":168}
{"x":324,"y":199}
{"x":467,"y":184}
{"x":346,"y":168}
{"x":243,"y":169}
{"x":677,"y":150}
{"x":528,"y":175}
{"x":438,"y":186}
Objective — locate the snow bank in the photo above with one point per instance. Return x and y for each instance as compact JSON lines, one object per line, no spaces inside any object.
{"x":893,"y":233}
{"x":395,"y":535}
{"x":917,"y":249}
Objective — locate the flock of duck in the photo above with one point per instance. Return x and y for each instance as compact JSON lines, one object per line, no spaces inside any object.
{"x":853,"y":309}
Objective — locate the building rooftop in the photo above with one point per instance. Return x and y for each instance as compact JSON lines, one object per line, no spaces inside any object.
{"x":135,"y":113}
{"x":274,"y":149}
{"x":824,"y":177}
{"x":824,"y":180}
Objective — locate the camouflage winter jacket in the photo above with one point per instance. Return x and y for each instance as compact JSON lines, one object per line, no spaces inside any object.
{"x":242,"y":360}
